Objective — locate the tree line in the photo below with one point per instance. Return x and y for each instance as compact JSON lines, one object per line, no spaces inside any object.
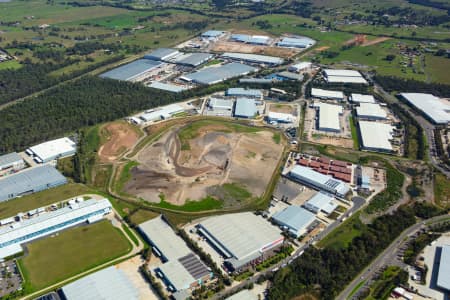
{"x":84,"y":102}
{"x":325,"y":272}
{"x":396,"y":84}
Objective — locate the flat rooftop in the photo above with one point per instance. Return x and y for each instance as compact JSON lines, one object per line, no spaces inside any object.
{"x":342,"y":73}
{"x":215,"y":74}
{"x":161,"y":53}
{"x":443,"y":280}
{"x":371,"y":110}
{"x":109,"y":283}
{"x":164,"y":238}
{"x":376,"y":135}
{"x":329,"y":116}
{"x":10,"y":158}
{"x":53,"y":148}
{"x":295,"y":217}
{"x":132,"y":70}
{"x":346,"y":79}
{"x":264,"y":59}
{"x":241,"y":234}
{"x":245,"y":107}
{"x":320,"y":93}
{"x":33,"y":178}
{"x":322,"y":201}
{"x":435,"y":108}
{"x":362,"y":98}
{"x":167,"y":87}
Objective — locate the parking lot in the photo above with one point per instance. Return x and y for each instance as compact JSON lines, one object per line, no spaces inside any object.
{"x":10,"y":279}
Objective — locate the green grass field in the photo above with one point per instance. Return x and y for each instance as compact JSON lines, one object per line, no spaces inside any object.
{"x":71,"y":252}
{"x":344,"y":234}
{"x":207,"y":203}
{"x":441,"y":190}
{"x":47,"y":197}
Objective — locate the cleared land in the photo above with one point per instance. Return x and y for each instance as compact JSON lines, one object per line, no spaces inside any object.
{"x":283,"y":108}
{"x":70,"y":252}
{"x":119,"y":137}
{"x":202,"y":159}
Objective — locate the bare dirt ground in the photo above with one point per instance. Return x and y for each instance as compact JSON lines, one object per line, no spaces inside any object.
{"x":283,"y":108}
{"x":375,"y":41}
{"x":264,"y":50}
{"x":215,"y":157}
{"x":120,"y":137}
{"x":320,"y":49}
{"x":335,"y":141}
{"x":357,"y":40}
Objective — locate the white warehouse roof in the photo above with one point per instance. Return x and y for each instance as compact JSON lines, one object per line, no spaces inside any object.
{"x":109,"y":283}
{"x":443,"y":280}
{"x":438,"y":110}
{"x":321,"y":181}
{"x":54,"y":149}
{"x":346,"y":79}
{"x":344,"y":73}
{"x":321,"y":202}
{"x":362,"y":98}
{"x":301,"y":66}
{"x":376,"y":136}
{"x":371,"y":110}
{"x":10,"y":159}
{"x":255,"y":58}
{"x":280,"y":117}
{"x":329,"y":116}
{"x":164,"y":238}
{"x":327,"y":94}
{"x":242,"y":234}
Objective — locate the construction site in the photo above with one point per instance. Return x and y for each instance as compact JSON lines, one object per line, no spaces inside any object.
{"x":195,"y":160}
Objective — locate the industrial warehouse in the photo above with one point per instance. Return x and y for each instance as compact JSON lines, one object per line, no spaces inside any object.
{"x":211,"y":75}
{"x":327,"y":94}
{"x":376,"y":136}
{"x":343,"y":76}
{"x":243,"y":239}
{"x":296,"y":42}
{"x":25,"y":230}
{"x":11,"y":161}
{"x":371,"y":111}
{"x":360,"y":98}
{"x":328,"y":116}
{"x":435,"y":109}
{"x":181,"y":268}
{"x":321,"y":202}
{"x":294,"y":219}
{"x":245,"y":108}
{"x":109,"y":283}
{"x":241,"y":92}
{"x":52,"y":150}
{"x":134,"y":71}
{"x":319,"y":181}
{"x":253,"y":58}
{"x":443,"y":278}
{"x":30,"y":181}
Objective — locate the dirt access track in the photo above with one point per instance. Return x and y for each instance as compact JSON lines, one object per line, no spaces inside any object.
{"x":189,"y":162}
{"x":120,"y":137}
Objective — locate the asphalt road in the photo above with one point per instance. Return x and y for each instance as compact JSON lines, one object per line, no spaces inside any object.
{"x":388,"y":256}
{"x":358,"y":202}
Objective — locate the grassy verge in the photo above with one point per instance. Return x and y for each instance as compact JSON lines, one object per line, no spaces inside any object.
{"x":130,"y":234}
{"x":354,"y":133}
{"x":441,"y":190}
{"x":344,"y":234}
{"x":71,"y":252}
{"x":391,"y":277}
{"x":276,"y":137}
{"x":357,"y":287}
{"x":207,"y":203}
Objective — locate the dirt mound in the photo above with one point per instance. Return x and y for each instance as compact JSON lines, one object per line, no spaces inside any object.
{"x":375,"y":41}
{"x":213,"y":158}
{"x":120,"y":137}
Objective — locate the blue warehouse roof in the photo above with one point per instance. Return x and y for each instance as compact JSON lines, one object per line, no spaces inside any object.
{"x":245,"y":108}
{"x":211,"y":75}
{"x":31,"y":180}
{"x":244,"y":92}
{"x":132,"y":70}
{"x":300,"y":42}
{"x":294,"y":217}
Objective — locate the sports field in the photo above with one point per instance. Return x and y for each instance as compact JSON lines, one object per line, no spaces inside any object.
{"x":71,"y":252}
